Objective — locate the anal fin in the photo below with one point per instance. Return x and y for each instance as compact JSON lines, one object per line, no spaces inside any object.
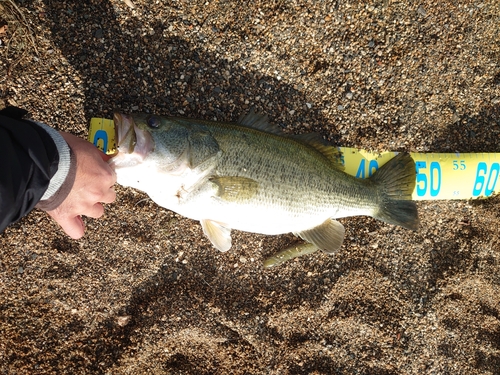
{"x":217,"y":234}
{"x":327,"y":236}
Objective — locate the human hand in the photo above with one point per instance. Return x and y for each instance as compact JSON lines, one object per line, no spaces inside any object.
{"x":93,"y":184}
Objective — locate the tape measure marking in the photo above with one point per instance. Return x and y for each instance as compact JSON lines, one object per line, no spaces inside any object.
{"x":439,"y":175}
{"x":102,"y":135}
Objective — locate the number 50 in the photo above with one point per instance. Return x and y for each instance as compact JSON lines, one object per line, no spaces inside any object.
{"x":430,"y":179}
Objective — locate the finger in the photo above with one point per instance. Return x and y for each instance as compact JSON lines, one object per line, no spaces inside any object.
{"x":74,"y":227}
{"x":104,"y":156}
{"x":109,"y":196}
{"x":95,"y":211}
{"x":113,"y":173}
{"x":109,"y":173}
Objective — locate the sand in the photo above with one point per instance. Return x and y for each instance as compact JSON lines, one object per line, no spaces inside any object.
{"x":144,"y":292}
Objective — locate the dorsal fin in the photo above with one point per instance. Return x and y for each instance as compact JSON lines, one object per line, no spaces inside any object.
{"x":260,"y":122}
{"x":315,"y":140}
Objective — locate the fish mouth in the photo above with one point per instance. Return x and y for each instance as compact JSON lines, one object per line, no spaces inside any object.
{"x":132,"y":143}
{"x":125,"y":134}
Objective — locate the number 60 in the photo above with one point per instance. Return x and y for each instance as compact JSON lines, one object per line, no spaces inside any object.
{"x":479,"y":183}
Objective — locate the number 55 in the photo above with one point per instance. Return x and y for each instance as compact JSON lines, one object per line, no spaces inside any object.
{"x":459,"y":165}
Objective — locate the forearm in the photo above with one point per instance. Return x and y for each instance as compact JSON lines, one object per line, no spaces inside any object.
{"x":39,"y":168}
{"x":36,"y":167}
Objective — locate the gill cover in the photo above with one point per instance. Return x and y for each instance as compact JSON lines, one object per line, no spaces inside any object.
{"x":180,"y":143}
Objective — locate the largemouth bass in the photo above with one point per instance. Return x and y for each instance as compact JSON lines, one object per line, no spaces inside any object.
{"x":253,"y":177}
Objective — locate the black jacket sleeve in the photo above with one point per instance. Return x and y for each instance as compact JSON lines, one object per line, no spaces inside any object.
{"x":29,"y":159}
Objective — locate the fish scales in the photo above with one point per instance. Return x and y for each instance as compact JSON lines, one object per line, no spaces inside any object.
{"x":252,"y":177}
{"x":289,"y":174}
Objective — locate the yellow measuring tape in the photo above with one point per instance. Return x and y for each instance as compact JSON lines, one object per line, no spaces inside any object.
{"x":439,"y":175}
{"x":102,"y":134}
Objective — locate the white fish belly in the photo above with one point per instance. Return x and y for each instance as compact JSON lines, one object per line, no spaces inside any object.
{"x":182,"y":194}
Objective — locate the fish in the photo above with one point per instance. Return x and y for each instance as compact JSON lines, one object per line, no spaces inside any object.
{"x":251,"y":176}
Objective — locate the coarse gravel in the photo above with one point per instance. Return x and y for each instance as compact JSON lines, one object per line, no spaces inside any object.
{"x":144,"y":292}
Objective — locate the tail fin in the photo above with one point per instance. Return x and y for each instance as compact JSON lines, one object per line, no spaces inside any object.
{"x":396,"y":182}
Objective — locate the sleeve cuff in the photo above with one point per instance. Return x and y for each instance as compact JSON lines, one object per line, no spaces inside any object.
{"x":61,"y":183}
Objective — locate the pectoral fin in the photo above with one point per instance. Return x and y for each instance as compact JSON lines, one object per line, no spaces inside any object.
{"x":217,"y":234}
{"x":234,"y":189}
{"x":327,"y":236}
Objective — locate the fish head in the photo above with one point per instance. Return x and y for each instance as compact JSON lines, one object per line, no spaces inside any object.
{"x":157,"y":141}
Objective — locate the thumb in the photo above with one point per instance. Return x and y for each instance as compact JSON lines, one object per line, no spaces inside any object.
{"x":73,"y":226}
{"x":104,"y":156}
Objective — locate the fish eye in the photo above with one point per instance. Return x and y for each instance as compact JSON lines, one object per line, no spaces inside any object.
{"x":153,"y":122}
